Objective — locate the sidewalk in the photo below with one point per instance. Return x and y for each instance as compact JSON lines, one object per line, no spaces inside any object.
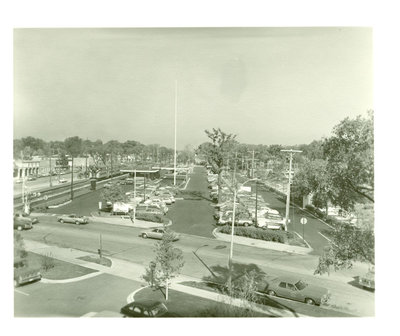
{"x":134,"y":272}
{"x":262,"y":243}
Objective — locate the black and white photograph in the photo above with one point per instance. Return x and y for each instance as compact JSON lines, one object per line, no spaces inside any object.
{"x":200,"y":172}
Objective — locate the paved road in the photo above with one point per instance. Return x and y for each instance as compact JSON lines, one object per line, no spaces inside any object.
{"x":313,"y":228}
{"x":102,"y":292}
{"x":125,"y":243}
{"x":194,"y":215}
{"x":44,"y":183}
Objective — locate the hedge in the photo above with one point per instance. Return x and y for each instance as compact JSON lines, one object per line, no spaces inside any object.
{"x":150,"y":217}
{"x":258,"y":233}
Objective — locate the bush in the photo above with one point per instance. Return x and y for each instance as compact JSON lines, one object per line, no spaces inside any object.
{"x":150,"y":217}
{"x":47,"y":262}
{"x":258,"y":233}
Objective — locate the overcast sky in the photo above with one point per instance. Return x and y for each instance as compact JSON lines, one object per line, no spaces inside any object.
{"x":267,"y":85}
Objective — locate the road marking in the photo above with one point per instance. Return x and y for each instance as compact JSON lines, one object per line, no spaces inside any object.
{"x":309,"y":246}
{"x":18,"y":291}
{"x":329,"y":240}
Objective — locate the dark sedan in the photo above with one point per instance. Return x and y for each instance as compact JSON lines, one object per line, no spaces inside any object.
{"x":146,"y":308}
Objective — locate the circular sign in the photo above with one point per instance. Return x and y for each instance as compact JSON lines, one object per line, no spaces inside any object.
{"x":45,"y":197}
{"x":303,"y":220}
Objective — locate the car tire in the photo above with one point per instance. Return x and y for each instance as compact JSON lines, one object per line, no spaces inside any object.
{"x":61,"y":221}
{"x":246,"y":224}
{"x":144,"y":235}
{"x":271,"y":293}
{"x":309,"y":301}
{"x":19,"y":228}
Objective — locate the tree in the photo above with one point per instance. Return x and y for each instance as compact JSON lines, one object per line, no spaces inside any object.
{"x":312,"y":178}
{"x":350,"y":156}
{"x":348,"y":244}
{"x":221,"y":143}
{"x":113,"y":194}
{"x":19,"y":246}
{"x":168,"y":261}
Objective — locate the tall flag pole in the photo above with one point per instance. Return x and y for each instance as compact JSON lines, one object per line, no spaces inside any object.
{"x":176,"y":108}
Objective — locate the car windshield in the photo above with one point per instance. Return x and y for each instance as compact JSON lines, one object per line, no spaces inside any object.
{"x":300,"y":285}
{"x":159,"y":310}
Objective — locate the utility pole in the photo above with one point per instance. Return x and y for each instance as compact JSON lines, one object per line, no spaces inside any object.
{"x":72,"y":178}
{"x":51,"y":184}
{"x":291,"y":152}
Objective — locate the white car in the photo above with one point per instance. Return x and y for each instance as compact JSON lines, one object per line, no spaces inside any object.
{"x":62,"y":181}
{"x":271,"y":221}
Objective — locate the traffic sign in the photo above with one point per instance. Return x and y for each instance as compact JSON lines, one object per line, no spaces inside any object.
{"x":45,"y":197}
{"x":303,"y":220}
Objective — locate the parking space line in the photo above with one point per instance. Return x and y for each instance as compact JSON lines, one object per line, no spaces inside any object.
{"x":329,"y":240}
{"x":18,"y":291}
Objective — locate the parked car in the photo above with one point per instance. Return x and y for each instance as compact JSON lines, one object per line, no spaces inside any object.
{"x":271,"y":221}
{"x":108,"y":185}
{"x":146,"y":308}
{"x":19,"y":181}
{"x":157,"y":234}
{"x":368,"y":280}
{"x":241,"y":219}
{"x":22,"y":225}
{"x":22,"y":216}
{"x":73,"y":219}
{"x":293,"y":288}
{"x":31,"y":178}
{"x":149,"y":209}
{"x":23,"y":221}
{"x":24,"y":274}
{"x":62,"y":181}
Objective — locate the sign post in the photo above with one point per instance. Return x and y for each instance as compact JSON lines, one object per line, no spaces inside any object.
{"x":303,"y":221}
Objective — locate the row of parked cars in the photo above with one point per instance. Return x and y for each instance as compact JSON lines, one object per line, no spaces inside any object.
{"x":245,"y":212}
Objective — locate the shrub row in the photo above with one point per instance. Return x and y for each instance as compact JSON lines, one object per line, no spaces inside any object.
{"x":150,"y":217}
{"x":258,"y":233}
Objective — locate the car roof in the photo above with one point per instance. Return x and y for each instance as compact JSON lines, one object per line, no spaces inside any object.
{"x":146,"y":303}
{"x":288,"y":278}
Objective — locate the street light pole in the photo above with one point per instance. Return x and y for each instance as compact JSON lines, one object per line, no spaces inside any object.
{"x":232,"y":234}
{"x":291,"y":152}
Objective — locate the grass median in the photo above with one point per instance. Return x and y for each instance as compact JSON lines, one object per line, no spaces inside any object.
{"x":55,"y":269}
{"x":187,"y":305}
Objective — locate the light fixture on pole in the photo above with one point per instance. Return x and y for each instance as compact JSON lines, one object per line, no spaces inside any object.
{"x":232,"y":231}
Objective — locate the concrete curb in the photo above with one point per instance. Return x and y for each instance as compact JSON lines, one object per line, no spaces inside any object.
{"x":262,"y":244}
{"x":83,"y":277}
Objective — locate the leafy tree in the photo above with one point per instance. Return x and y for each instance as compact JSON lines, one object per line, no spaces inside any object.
{"x":348,"y":244}
{"x":313,"y":178}
{"x":221,"y":144}
{"x":168,"y":261}
{"x":350,"y":156}
{"x":113,"y":194}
